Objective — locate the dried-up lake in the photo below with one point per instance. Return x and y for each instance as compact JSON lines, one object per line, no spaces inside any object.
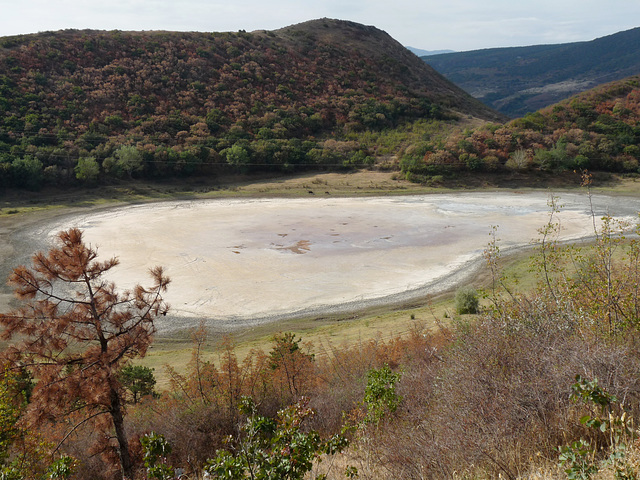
{"x":236,"y":262}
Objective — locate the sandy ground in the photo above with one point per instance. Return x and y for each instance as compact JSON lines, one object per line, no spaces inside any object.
{"x":239,"y":262}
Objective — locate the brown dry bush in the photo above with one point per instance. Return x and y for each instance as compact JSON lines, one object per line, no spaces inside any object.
{"x":200,"y":410}
{"x":195,"y":431}
{"x":497,"y":399}
{"x":342,"y":373}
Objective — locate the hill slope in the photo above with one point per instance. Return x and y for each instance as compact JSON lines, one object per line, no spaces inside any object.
{"x":518,"y":80}
{"x":597,"y":130}
{"x":184,"y":100}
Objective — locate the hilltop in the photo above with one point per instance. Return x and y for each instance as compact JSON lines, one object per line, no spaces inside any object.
{"x":519,"y":80}
{"x":198,"y":103}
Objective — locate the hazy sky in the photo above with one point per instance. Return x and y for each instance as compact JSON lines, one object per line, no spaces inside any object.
{"x":427,"y":24}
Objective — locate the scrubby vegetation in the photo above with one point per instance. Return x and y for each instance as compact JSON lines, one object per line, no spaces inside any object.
{"x":597,"y":130}
{"x":466,"y":300}
{"x":78,"y":107}
{"x":86,"y":108}
{"x":540,"y":384}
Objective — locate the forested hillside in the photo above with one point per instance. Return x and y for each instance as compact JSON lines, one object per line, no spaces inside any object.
{"x":79,"y":106}
{"x":520,"y":80}
{"x":595,"y":130}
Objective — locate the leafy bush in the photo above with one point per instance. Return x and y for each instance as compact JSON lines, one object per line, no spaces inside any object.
{"x":274,"y":448}
{"x":610,"y":429}
{"x":27,"y":172}
{"x":87,"y":170}
{"x":380,"y":395}
{"x":156,"y":450}
{"x":466,"y":300}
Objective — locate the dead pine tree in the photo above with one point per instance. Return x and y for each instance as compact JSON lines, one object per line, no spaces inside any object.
{"x":74,"y":332}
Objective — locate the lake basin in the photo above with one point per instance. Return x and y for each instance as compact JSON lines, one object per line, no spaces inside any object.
{"x":234,"y":262}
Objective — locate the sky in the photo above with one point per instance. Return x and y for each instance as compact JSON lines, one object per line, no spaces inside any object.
{"x":426,"y":24}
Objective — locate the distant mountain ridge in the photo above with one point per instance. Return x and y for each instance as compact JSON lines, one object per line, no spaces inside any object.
{"x":425,"y":53}
{"x":519,"y":80}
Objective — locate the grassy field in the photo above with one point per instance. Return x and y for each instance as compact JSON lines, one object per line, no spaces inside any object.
{"x":361,"y":183}
{"x":18,"y":209}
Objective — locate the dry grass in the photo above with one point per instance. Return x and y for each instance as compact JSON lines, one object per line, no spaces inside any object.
{"x":350,"y":329}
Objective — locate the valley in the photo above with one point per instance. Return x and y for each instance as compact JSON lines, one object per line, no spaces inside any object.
{"x":352,"y":239}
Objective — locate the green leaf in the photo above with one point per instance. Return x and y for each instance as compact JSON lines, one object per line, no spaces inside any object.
{"x":585,"y":419}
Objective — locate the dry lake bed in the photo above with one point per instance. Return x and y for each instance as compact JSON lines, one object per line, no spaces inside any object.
{"x":237,"y":262}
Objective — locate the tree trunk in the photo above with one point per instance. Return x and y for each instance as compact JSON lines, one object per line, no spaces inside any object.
{"x":123,"y":444}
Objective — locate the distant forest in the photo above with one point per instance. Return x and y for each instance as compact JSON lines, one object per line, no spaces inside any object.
{"x":598,"y":130}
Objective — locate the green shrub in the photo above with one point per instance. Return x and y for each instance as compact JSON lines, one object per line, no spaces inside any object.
{"x":27,"y":172}
{"x":274,"y":447}
{"x":466,"y":300}
{"x":380,"y":395}
{"x":87,"y":170}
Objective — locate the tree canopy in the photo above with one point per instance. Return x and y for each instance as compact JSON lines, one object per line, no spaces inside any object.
{"x":75,"y":332}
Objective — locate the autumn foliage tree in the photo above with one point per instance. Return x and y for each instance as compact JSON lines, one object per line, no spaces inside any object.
{"x":75,"y":332}
{"x":292,"y":367}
